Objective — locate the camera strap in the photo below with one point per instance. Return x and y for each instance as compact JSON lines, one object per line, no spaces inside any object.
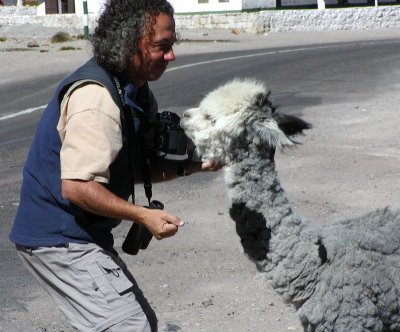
{"x":146,"y":170}
{"x":135,"y":136}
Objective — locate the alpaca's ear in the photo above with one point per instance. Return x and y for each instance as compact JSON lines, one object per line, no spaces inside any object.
{"x":261,"y":99}
{"x":291,"y":125}
{"x":268,"y":132}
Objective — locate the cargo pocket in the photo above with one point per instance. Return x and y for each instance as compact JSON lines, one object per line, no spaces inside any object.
{"x":110,"y":279}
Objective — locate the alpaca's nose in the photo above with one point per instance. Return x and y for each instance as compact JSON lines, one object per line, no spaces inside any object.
{"x":186,"y":117}
{"x":188,"y":113}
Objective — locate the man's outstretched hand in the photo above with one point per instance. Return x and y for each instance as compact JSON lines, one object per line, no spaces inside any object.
{"x":160,"y":223}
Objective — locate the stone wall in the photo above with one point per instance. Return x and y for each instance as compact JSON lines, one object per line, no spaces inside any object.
{"x":297,"y":20}
{"x":330,"y":19}
{"x":67,"y":21}
{"x":255,"y":22}
{"x":17,"y":11}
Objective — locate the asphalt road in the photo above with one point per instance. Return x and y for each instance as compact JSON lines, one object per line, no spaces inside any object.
{"x":298,"y":77}
{"x":314,"y":81}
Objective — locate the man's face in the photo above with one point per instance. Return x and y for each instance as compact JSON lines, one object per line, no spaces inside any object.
{"x":155,"y":51}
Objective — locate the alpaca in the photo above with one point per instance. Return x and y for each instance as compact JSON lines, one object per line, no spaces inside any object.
{"x":341,"y":276}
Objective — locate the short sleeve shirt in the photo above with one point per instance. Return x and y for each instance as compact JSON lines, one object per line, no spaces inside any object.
{"x":90,"y":130}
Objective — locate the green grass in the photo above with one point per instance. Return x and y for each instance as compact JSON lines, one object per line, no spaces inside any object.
{"x":69,"y":48}
{"x":80,"y":37}
{"x":61,"y":37}
{"x":3,"y":39}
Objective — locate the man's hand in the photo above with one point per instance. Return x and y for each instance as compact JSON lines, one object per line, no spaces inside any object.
{"x":195,"y":161}
{"x":211,"y":165}
{"x":160,"y":223}
{"x":93,"y":197}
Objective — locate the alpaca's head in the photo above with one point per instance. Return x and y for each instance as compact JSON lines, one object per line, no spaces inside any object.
{"x":236,"y":115}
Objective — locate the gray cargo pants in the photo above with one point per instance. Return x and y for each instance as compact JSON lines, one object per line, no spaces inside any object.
{"x":91,"y":286}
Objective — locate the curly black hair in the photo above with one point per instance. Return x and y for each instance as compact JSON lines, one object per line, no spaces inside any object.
{"x":120,"y":28}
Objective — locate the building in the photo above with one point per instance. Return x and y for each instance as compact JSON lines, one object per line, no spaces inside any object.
{"x":201,"y":6}
{"x":193,"y":6}
{"x":68,"y":7}
{"x":180,"y":6}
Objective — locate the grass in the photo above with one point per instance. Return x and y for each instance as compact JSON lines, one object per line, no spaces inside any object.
{"x":16,"y":49}
{"x":80,"y":37}
{"x":69,"y":48}
{"x":3,"y":39}
{"x":60,"y":37}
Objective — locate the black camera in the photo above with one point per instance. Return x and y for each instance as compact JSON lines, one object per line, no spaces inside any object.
{"x":139,"y":236}
{"x":169,"y":137}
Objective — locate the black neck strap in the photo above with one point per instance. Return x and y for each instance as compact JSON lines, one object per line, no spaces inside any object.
{"x":133,"y":136}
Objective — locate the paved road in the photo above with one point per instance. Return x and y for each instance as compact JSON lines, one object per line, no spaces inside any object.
{"x":200,"y":281}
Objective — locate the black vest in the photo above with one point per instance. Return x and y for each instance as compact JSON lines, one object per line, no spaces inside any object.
{"x":44,"y":217}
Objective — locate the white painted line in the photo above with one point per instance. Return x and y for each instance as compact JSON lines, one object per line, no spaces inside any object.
{"x":27,"y":111}
{"x":274,"y":52}
{"x":249,"y":56}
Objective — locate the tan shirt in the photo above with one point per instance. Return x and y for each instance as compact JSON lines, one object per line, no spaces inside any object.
{"x":90,"y":131}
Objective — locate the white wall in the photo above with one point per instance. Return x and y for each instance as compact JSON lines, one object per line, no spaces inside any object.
{"x":41,"y":9}
{"x":94,"y":6}
{"x":193,"y":6}
{"x":256,"y":4}
{"x":387,"y":17}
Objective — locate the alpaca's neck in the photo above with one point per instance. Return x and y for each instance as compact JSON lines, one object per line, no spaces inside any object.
{"x":290,"y":255}
{"x":252,"y":179}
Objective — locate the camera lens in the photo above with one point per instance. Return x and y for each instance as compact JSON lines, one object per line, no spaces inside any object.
{"x":156,"y":205}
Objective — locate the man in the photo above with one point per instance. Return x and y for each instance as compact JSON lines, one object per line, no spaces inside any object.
{"x":77,"y":177}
